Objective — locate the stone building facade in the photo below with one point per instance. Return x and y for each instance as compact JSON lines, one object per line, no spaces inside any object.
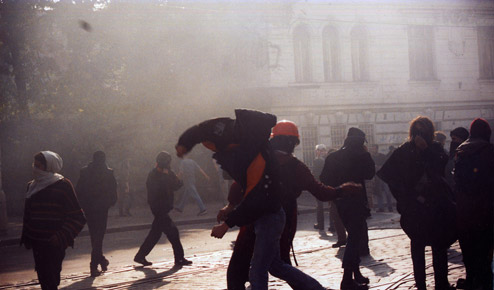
{"x":376,"y":65}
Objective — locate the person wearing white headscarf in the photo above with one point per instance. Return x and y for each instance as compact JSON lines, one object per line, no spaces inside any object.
{"x":52,"y":217}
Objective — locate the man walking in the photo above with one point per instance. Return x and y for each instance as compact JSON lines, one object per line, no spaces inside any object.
{"x":188,"y":168}
{"x":97,"y":192}
{"x":160,"y":184}
{"x":351,"y":163}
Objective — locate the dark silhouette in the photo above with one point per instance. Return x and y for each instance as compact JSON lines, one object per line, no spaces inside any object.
{"x":458,"y":136}
{"x":160,"y":184}
{"x":415,"y":175}
{"x":52,"y":218}
{"x":473,"y":175}
{"x":352,"y":163}
{"x":317,"y":166}
{"x":97,"y":192}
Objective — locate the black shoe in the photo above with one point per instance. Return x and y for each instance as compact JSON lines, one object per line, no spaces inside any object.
{"x":93,"y":269}
{"x":338,"y":244}
{"x":104,"y":264}
{"x":182,"y":262}
{"x":318,"y":227}
{"x":142,"y":260}
{"x":362,"y":280}
{"x":352,"y":285}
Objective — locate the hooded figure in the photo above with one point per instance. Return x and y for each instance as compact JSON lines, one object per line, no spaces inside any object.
{"x":458,"y":136}
{"x":352,"y":163}
{"x":52,"y":218}
{"x":474,"y":187}
{"x":97,"y":192}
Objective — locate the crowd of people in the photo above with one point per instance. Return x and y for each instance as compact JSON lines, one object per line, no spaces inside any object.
{"x":441,"y":198}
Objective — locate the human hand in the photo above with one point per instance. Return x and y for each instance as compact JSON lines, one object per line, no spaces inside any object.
{"x":219,"y":231}
{"x":224,"y":212}
{"x":181,"y":150}
{"x":351,"y":188}
{"x":420,"y":142}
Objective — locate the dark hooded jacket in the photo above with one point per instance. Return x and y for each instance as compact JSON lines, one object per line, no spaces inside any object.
{"x":350,"y":163}
{"x":475,"y":189}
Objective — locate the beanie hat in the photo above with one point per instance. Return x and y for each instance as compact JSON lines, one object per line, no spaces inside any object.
{"x":480,"y":129}
{"x":163,"y":159}
{"x":356,"y":132}
{"x":460,"y":132}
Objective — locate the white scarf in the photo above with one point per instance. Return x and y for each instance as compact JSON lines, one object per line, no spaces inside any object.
{"x":43,"y":179}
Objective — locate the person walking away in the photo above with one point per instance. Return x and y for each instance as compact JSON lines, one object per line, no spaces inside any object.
{"x":52,"y":218}
{"x":160,"y":184}
{"x":243,"y":150}
{"x":318,"y":164}
{"x":97,"y":192}
{"x":458,"y":136}
{"x":187,"y":172}
{"x":295,"y":177}
{"x":351,"y":163}
{"x":379,"y":186}
{"x":473,"y":174}
{"x":415,"y":175}
{"x":124,"y":194}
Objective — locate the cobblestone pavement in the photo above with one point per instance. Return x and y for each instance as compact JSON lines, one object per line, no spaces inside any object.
{"x":388,"y":267}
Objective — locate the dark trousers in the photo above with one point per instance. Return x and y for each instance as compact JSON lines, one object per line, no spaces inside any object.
{"x":476,"y":248}
{"x":48,"y":265}
{"x":356,"y":227}
{"x":162,"y":224}
{"x":320,"y":214}
{"x":96,"y":223}
{"x":439,"y":262}
{"x":334,"y":217}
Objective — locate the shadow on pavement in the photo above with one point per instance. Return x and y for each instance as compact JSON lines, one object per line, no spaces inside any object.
{"x":86,"y":283}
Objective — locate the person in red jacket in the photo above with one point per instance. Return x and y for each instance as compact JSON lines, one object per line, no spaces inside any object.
{"x":243,"y":150}
{"x":295,"y":177}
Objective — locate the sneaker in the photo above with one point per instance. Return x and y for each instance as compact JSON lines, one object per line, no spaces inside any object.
{"x":338,"y":244}
{"x":202,"y":212}
{"x":142,"y":260}
{"x":95,"y":272}
{"x":104,"y":264}
{"x":182,"y":262}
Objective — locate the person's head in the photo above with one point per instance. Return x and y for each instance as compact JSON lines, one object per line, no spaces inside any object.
{"x":480,"y":129}
{"x":440,"y":137}
{"x":321,"y":150}
{"x":285,"y":136}
{"x":48,"y":161}
{"x":459,"y":135}
{"x":163,"y":160}
{"x":99,"y":157}
{"x":423,"y":127}
{"x":355,"y":138}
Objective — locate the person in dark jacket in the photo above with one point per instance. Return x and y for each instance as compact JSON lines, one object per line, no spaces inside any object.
{"x":458,"y":136}
{"x":318,"y":164}
{"x":52,"y":218}
{"x":474,"y":179}
{"x":97,"y":192}
{"x":242,"y":149}
{"x":415,"y":175}
{"x":352,"y":163}
{"x":160,"y":184}
{"x":295,"y":177}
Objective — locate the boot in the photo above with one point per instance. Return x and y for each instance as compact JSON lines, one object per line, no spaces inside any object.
{"x":104,"y":264}
{"x":93,"y":269}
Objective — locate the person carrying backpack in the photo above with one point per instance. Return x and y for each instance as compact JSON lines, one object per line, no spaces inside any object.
{"x":474,"y":187}
{"x":295,"y":177}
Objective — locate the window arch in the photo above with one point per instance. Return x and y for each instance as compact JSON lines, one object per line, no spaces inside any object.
{"x":301,"y":43}
{"x":331,"y":54}
{"x":359,"y":54}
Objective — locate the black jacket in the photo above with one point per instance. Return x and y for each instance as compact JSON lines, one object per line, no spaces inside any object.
{"x":475,"y":203}
{"x":243,"y":151}
{"x":350,"y":163}
{"x":96,"y":188}
{"x":160,"y":187}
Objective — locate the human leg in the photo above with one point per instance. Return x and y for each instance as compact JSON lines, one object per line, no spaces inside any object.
{"x":440,"y":264}
{"x":195,"y":195}
{"x":338,"y":224}
{"x":319,"y":215}
{"x":238,"y":268}
{"x":417,"y":249}
{"x":171,"y":231}
{"x":48,"y":265}
{"x":151,"y":239}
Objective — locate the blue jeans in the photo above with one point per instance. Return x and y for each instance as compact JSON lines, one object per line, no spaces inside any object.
{"x":191,"y":190}
{"x":266,"y":257}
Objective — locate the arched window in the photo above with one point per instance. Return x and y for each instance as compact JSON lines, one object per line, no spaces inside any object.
{"x":331,"y":54}
{"x":359,"y":54}
{"x":301,"y":45}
